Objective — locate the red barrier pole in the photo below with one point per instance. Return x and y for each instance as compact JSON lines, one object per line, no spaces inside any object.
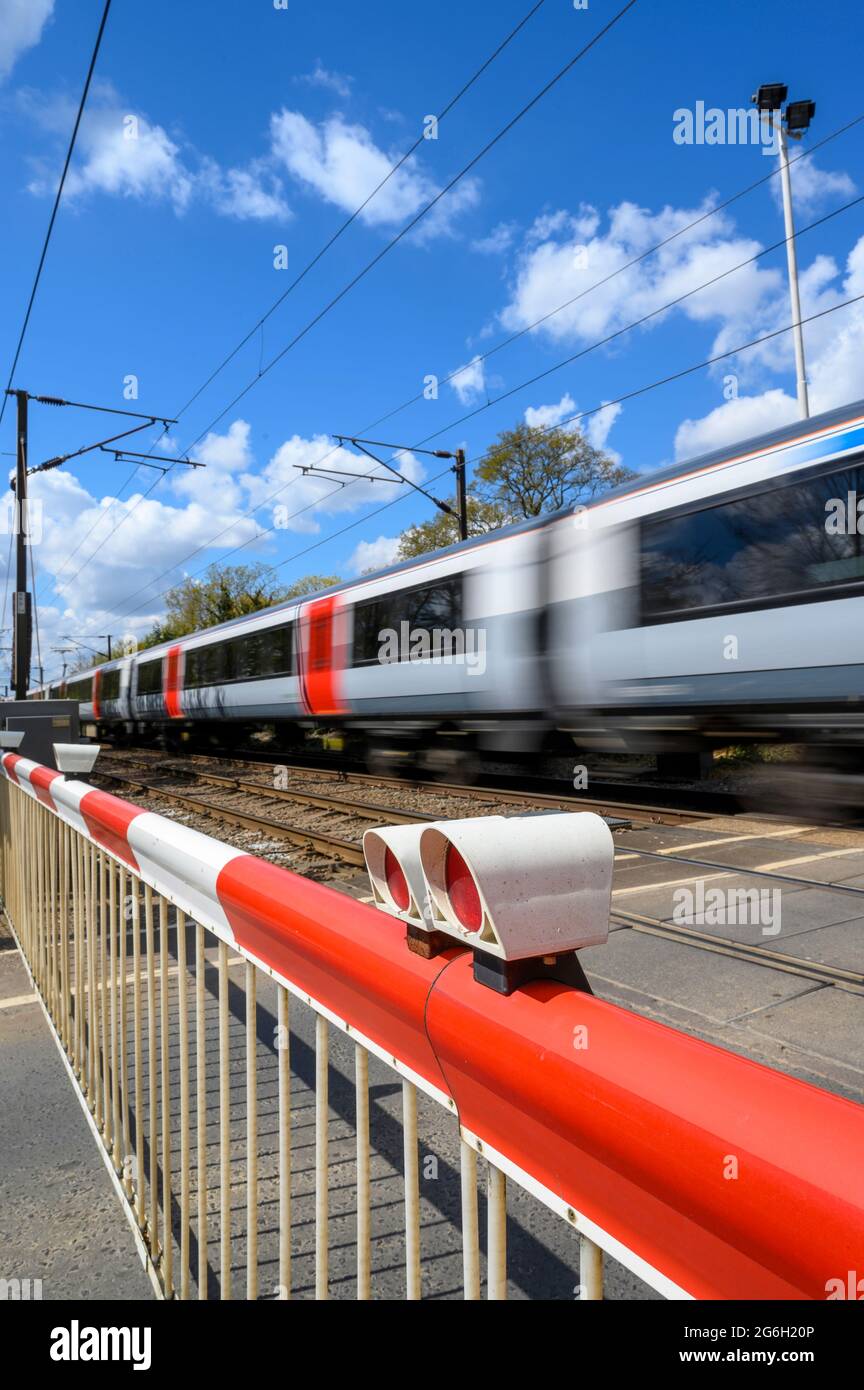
{"x":732,"y":1179}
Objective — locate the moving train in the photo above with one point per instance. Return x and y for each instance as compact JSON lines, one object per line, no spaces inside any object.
{"x":717,"y":601}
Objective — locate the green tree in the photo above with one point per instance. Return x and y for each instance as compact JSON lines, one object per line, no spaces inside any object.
{"x":225,"y":593}
{"x":442,"y":530}
{"x":529,"y":471}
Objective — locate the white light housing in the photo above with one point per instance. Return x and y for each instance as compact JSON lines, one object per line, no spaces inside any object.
{"x":76,"y":758}
{"x":518,"y":887}
{"x":395,"y":874}
{"x":11,"y":738}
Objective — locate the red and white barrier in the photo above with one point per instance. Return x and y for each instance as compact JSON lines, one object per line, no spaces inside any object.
{"x":709,"y":1175}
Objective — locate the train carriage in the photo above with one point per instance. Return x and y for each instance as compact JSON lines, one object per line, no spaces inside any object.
{"x":716,"y":601}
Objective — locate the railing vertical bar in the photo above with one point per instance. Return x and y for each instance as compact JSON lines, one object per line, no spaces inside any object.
{"x":364,"y":1228}
{"x":114,"y":943}
{"x":470,"y":1223}
{"x":92,"y":946}
{"x":40,"y":972}
{"x":590,"y":1270}
{"x":322,"y":1114}
{"x":165,"y":1036}
{"x":496,"y":1239}
{"x":122,"y":928}
{"x":77,"y":1029}
{"x":201,"y":1106}
{"x":224,"y":1128}
{"x":412,"y":1192}
{"x":251,"y":1134}
{"x":54,"y":1004}
{"x":153,"y":1107}
{"x":51,"y":974}
{"x":283,"y":1037}
{"x":104,"y":996}
{"x":47,"y":824}
{"x":81,"y":990}
{"x":65,"y":1010}
{"x":135,"y":903}
{"x":183,"y":986}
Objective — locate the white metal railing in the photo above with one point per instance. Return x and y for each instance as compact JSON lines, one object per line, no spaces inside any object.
{"x":293,"y":1104}
{"x":126,"y":979}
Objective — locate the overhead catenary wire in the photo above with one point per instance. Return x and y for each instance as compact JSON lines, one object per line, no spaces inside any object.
{"x":409,"y":226}
{"x":82,"y":103}
{"x":344,"y":226}
{"x":681,"y":231}
{"x":579,"y":415}
{"x":645,"y":318}
{"x":626,"y":265}
{"x":654,"y":313}
{"x":418,"y":217}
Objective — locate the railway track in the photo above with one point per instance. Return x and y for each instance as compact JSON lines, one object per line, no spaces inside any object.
{"x":204,"y":768}
{"x":333,"y":846}
{"x":850,"y":980}
{"x":320,"y":841}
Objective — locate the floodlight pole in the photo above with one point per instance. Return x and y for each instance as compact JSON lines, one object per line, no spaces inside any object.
{"x":792,"y":261}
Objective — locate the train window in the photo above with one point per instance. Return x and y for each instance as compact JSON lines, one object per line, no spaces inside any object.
{"x":82,"y":691}
{"x":427,"y":608}
{"x":109,"y":687}
{"x":204,"y":666}
{"x":280,"y":650}
{"x":249,"y":656}
{"x":260,"y":655}
{"x":777,"y":547}
{"x":150,"y":677}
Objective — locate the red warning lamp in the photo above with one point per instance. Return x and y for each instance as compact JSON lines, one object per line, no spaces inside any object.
{"x":462,"y":890}
{"x":397,"y":884}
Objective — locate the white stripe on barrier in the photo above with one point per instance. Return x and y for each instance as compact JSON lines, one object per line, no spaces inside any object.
{"x":67,"y":797}
{"x":183,"y":865}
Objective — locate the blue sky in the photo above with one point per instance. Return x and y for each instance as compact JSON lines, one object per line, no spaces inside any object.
{"x":258,"y":127}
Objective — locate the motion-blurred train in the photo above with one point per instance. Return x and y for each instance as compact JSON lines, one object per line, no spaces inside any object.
{"x":717,"y":601}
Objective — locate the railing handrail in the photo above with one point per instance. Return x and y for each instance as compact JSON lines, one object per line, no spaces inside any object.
{"x":711,"y":1173}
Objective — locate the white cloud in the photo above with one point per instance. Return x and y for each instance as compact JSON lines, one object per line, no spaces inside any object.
{"x":342,"y":163}
{"x":499,"y":240}
{"x":812,"y":186}
{"x":330,"y":81}
{"x":565,"y":257}
{"x":130,"y":543}
{"x":253,"y":193}
{"x":740,"y":418}
{"x":374,"y":555}
{"x":21,"y":25}
{"x":834,"y":350}
{"x":546,"y":417}
{"x":595,"y":427}
{"x":469,"y":382}
{"x":122,"y":153}
{"x":226,"y":457}
{"x":304,"y":498}
{"x":126,"y":156}
{"x":153,"y":536}
{"x":598,"y":425}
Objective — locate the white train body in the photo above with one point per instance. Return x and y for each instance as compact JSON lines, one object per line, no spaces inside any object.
{"x":716,"y":600}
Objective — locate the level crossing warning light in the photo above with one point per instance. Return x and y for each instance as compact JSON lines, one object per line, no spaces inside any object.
{"x":398,"y":886}
{"x":523,"y":893}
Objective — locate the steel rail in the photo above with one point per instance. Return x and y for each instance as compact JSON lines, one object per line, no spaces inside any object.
{"x":541,"y":800}
{"x":850,"y":980}
{"x":331,"y":845}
